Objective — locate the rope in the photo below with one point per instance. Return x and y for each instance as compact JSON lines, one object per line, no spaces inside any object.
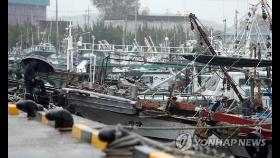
{"x":193,"y":128}
{"x":270,"y":113}
{"x":200,"y":70}
{"x":13,"y":98}
{"x":233,"y":133}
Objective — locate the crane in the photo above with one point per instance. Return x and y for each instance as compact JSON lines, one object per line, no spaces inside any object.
{"x":195,"y":26}
{"x":266,"y":12}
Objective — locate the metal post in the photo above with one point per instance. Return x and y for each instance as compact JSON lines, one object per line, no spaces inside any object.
{"x":88,"y":17}
{"x":57,"y":33}
{"x":236,"y":24}
{"x":93,"y":74}
{"x":106,"y":67}
{"x":136,"y":13}
{"x":90,"y":72}
{"x":70,"y":50}
{"x":225,"y":30}
{"x":94,"y":62}
{"x":32,"y":40}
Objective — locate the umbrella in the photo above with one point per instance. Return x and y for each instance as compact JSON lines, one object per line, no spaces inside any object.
{"x":43,"y":64}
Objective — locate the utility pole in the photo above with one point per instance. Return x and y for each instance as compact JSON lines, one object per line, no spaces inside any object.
{"x":57,"y":33}
{"x":32,"y":40}
{"x":88,"y":17}
{"x":136,"y":13}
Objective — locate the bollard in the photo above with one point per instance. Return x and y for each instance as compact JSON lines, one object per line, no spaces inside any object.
{"x":63,"y":119}
{"x":30,"y":107}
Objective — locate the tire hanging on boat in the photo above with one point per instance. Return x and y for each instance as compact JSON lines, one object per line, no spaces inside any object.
{"x":257,"y":151}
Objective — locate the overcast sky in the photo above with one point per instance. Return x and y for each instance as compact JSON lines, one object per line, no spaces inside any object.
{"x":213,"y":10}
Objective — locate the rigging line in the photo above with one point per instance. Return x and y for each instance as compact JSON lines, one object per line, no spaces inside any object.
{"x":236,"y":130}
{"x":267,"y":25}
{"x":230,"y":107}
{"x":239,"y":45}
{"x":218,"y":75}
{"x":264,"y":119}
{"x":195,"y":127}
{"x":178,"y":72}
{"x":227,"y":51}
{"x":269,"y":6}
{"x":211,"y":59}
{"x":261,"y":36}
{"x":232,"y":80}
{"x":199,"y":71}
{"x":263,"y":113}
{"x":245,"y":41}
{"x":205,"y":49}
{"x":251,"y":27}
{"x":237,"y":86}
{"x":45,"y":30}
{"x":244,"y":31}
{"x":235,"y":62}
{"x":238,"y":48}
{"x":250,"y":76}
{"x":241,"y":30}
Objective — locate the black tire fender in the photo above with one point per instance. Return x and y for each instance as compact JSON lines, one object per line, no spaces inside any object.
{"x":257,"y":151}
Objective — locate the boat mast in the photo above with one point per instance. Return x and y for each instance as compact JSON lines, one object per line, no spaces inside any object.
{"x":194,"y":24}
{"x":70,"y":49}
{"x":225,"y":30}
{"x":57,"y":33}
{"x":136,"y":13}
{"x":236,"y":24}
{"x":32,"y":40}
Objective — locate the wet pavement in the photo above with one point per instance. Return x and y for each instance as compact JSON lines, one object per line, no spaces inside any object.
{"x":32,"y":139}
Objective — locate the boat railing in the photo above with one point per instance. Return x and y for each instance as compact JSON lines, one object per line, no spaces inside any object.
{"x":186,"y":97}
{"x":133,"y":48}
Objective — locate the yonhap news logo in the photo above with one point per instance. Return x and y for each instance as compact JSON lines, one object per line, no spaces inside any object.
{"x":185,"y":141}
